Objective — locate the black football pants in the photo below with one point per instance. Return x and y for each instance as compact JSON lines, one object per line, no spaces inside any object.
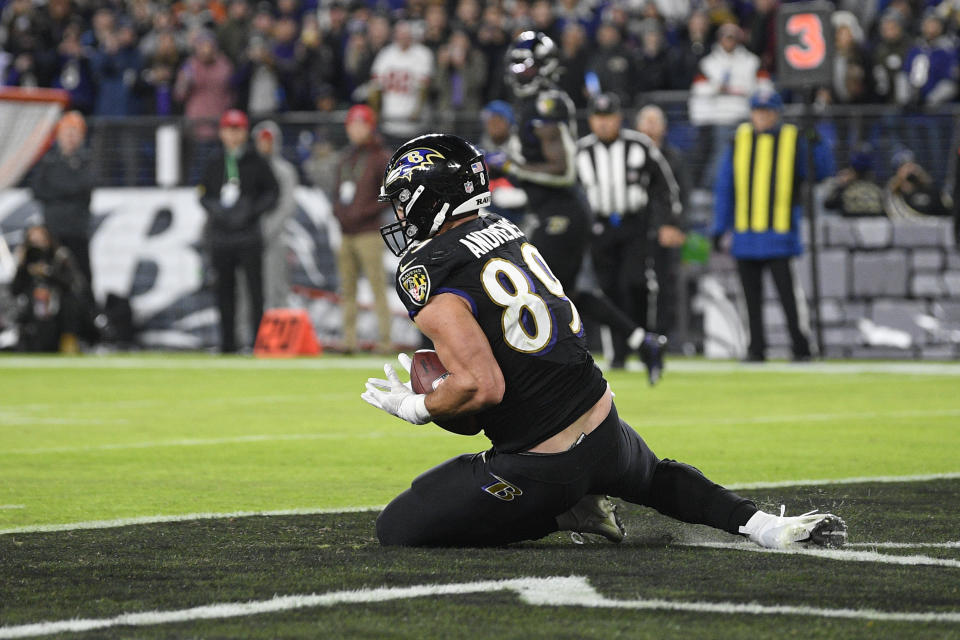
{"x":561,"y":234}
{"x":491,"y":498}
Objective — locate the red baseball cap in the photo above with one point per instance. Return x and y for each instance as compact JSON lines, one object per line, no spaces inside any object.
{"x":234,"y":118}
{"x":361,"y":112}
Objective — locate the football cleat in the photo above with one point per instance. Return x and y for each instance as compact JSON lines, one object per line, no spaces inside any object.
{"x":594,"y":514}
{"x":651,"y":354}
{"x":779,"y":532}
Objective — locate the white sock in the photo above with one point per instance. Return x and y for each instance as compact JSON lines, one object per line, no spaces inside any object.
{"x":756,"y":523}
{"x":636,"y":338}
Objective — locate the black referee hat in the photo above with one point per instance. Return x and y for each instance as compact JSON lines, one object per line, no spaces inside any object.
{"x":605,"y":103}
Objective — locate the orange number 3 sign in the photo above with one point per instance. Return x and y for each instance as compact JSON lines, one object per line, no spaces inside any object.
{"x":812,"y":50}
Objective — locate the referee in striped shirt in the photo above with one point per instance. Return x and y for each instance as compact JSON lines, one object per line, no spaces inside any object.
{"x":635,"y":200}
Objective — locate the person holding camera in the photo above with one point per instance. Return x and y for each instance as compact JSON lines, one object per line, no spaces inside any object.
{"x":53,"y":294}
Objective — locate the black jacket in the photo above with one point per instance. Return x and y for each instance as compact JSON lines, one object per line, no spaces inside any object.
{"x":63,"y":186}
{"x":238,"y":225}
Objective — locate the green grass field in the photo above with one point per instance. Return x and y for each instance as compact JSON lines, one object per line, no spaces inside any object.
{"x":96,"y":440}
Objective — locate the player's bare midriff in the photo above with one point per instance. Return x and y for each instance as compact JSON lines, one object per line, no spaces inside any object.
{"x":585,"y":424}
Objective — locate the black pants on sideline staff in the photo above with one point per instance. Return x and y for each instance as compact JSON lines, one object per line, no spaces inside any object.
{"x":751,"y":277}
{"x":226,"y":261}
{"x":620,"y":262}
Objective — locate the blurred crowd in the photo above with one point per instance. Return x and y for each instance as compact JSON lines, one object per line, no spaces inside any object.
{"x":200,"y":57}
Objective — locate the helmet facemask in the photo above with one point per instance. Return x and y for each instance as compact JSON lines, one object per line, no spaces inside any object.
{"x":430,"y":180}
{"x":399,"y":234}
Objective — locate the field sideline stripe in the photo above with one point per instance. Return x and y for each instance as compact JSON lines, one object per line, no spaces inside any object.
{"x":904,"y":545}
{"x":573,"y":591}
{"x":123,"y":522}
{"x":376,"y":363}
{"x":832,"y":554}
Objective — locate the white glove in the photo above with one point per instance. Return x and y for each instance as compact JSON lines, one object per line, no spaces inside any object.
{"x":395,"y":397}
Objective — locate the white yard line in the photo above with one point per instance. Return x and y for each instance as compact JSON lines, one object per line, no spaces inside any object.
{"x":123,"y":522}
{"x":204,"y":442}
{"x":13,"y":506}
{"x":903,"y":545}
{"x":573,"y":591}
{"x":376,"y":363}
{"x":832,"y":554}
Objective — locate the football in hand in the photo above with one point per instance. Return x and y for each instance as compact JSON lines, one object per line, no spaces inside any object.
{"x":426,"y":374}
{"x":426,"y":371}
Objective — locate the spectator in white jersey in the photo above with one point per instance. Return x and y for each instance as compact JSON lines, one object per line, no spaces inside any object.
{"x":401,"y":77}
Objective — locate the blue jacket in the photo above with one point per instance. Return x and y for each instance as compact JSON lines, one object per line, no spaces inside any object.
{"x":779,"y":237}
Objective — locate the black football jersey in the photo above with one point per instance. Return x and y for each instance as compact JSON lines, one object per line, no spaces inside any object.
{"x":534,"y":330}
{"x":550,"y":106}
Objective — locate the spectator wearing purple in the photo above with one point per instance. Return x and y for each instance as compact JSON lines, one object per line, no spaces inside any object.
{"x":931,"y":64}
{"x":116,"y":68}
{"x":286,"y":34}
{"x":159,"y":75}
{"x":73,"y":72}
{"x":203,"y":85}
{"x":577,"y":12}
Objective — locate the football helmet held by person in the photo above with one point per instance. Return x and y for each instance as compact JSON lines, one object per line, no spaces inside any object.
{"x":533,"y":63}
{"x":429,"y":180}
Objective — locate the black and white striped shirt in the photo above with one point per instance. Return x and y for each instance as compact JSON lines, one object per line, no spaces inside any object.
{"x":623,"y":177}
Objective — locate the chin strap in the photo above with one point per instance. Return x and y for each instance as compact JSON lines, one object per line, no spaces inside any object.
{"x":439,"y":219}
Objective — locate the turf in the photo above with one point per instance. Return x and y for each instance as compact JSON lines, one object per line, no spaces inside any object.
{"x":102,"y":573}
{"x":96,"y":439}
{"x":189,"y":435}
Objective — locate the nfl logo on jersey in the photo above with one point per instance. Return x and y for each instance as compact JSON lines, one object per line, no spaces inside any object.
{"x":468,"y":187}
